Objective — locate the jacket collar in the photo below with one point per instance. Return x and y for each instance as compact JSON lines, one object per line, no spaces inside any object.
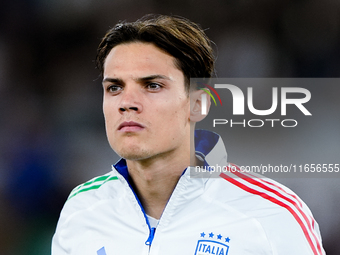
{"x":210,"y":148}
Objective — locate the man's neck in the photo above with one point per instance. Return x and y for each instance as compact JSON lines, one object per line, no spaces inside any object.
{"x":155,"y":179}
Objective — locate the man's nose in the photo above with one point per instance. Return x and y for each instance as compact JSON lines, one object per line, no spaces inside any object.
{"x":131,"y":99}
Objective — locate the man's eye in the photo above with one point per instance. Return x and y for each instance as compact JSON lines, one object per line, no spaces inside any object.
{"x":114,"y":88}
{"x":154,"y":86}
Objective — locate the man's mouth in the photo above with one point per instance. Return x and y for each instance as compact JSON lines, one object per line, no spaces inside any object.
{"x":130,"y":126}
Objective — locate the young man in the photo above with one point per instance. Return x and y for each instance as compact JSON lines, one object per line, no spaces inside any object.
{"x":148,"y":204}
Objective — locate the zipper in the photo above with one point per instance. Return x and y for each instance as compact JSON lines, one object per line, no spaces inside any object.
{"x":121,"y":168}
{"x":151,"y":230}
{"x":151,"y":236}
{"x":124,"y":173}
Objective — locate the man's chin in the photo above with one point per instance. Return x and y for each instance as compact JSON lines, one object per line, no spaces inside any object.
{"x":134,"y":154}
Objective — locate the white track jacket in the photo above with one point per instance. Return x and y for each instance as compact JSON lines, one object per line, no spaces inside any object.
{"x":204,"y":216}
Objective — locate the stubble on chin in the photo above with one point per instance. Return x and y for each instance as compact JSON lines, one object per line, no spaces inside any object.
{"x":134,"y":153}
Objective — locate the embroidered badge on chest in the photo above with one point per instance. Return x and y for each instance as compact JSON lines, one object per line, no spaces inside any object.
{"x":212,"y":244}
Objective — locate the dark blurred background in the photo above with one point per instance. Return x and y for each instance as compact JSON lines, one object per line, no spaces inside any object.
{"x":51,"y":121}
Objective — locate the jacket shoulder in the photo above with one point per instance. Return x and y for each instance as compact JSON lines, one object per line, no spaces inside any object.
{"x":89,"y":193}
{"x":279,"y":211}
{"x":92,"y":184}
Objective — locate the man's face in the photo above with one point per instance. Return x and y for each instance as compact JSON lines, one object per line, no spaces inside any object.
{"x":146,"y":107}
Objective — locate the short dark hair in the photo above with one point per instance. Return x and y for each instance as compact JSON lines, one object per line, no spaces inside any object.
{"x":179,"y":37}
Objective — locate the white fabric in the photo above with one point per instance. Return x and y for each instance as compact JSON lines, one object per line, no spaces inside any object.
{"x":153,"y":222}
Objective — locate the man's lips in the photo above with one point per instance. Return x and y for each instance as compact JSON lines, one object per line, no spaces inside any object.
{"x":130,"y":126}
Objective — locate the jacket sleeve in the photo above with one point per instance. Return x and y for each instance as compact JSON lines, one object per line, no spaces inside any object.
{"x":294,"y":232}
{"x":58,"y":242}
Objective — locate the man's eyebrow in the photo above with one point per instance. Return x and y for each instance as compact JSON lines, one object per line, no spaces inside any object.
{"x":113,"y":80}
{"x":141,"y":79}
{"x":152,"y":77}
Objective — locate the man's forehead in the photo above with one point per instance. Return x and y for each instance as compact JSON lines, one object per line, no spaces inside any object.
{"x":137,"y":55}
{"x":138,"y":51}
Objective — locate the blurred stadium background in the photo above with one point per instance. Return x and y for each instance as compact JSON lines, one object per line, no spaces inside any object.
{"x":51,"y":122}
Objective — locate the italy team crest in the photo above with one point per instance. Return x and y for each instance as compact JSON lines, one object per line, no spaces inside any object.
{"x":212,"y":245}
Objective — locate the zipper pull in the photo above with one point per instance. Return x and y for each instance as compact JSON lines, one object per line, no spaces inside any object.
{"x":151,"y":236}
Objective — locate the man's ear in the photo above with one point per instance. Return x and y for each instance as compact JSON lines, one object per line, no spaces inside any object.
{"x":199,"y":105}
